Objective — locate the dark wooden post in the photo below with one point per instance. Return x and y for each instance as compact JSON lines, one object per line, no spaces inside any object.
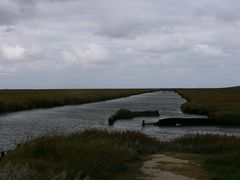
{"x":2,"y":154}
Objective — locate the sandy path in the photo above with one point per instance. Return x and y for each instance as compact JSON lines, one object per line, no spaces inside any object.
{"x":161,"y":166}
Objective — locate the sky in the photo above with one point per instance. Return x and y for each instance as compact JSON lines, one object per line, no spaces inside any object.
{"x":119,"y":44}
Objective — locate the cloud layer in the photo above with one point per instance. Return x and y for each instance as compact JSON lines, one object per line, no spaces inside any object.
{"x":110,"y":43}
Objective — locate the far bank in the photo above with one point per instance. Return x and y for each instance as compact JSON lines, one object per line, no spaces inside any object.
{"x":18,"y":100}
{"x":221,"y":104}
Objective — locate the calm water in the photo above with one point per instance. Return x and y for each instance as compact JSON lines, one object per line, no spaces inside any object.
{"x":20,"y":126}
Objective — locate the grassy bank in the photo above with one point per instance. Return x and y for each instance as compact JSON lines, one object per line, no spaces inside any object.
{"x":119,"y":155}
{"x":220,"y":104}
{"x":16,"y":100}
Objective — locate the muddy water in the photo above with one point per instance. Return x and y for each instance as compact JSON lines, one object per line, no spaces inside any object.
{"x":20,"y":126}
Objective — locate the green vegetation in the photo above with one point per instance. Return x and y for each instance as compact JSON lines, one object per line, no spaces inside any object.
{"x":124,"y":114}
{"x":127,"y":114}
{"x":220,"y":104}
{"x":119,"y":155}
{"x":219,"y":155}
{"x":94,"y":153}
{"x":16,"y":100}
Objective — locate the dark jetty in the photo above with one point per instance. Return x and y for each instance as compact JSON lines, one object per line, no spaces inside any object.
{"x":127,"y":114}
{"x":186,"y":122}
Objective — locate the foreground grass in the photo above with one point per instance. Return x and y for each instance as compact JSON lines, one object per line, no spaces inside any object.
{"x":94,"y":153}
{"x":118,"y":155}
{"x":220,"y":155}
{"x":220,"y":104}
{"x":16,"y":100}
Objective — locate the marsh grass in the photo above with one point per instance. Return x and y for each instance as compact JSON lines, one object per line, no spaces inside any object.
{"x":127,"y":114}
{"x":16,"y":100}
{"x":96,"y":153}
{"x":220,"y":104}
{"x":102,"y":154}
{"x":220,"y":154}
{"x":124,"y":114}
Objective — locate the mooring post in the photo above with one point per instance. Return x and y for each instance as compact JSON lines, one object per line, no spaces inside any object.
{"x":19,"y":145}
{"x":2,"y":154}
{"x":143,"y":123}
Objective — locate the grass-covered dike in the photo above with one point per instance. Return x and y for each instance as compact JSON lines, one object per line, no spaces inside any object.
{"x":99,"y":154}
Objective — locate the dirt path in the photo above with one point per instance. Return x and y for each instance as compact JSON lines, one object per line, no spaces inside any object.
{"x":161,"y":166}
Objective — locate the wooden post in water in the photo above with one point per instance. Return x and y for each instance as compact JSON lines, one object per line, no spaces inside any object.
{"x":3,"y":154}
{"x":143,"y":123}
{"x":19,"y":145}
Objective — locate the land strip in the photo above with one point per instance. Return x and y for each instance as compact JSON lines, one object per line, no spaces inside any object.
{"x":222,"y":105}
{"x":17,"y":100}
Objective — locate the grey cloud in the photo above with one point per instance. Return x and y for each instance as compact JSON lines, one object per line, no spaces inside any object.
{"x":11,"y":11}
{"x":128,"y":43}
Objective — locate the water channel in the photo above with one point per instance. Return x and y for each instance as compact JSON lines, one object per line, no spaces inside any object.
{"x":18,"y":127}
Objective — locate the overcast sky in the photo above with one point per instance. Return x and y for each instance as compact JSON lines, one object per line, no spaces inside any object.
{"x":119,"y":44}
